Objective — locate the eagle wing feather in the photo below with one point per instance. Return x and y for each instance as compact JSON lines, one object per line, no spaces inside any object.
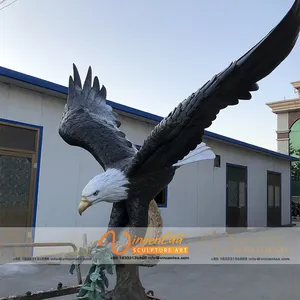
{"x":90,"y":123}
{"x":183,"y":129}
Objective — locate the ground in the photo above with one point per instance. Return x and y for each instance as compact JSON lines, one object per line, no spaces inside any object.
{"x":198,"y":281}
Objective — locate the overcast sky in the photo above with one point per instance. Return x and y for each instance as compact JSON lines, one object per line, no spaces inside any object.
{"x":152,"y":54}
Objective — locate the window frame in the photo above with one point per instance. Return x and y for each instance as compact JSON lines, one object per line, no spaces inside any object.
{"x":273,"y":187}
{"x":37,"y":167}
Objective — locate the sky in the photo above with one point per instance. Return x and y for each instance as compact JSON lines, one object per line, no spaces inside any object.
{"x":152,"y":54}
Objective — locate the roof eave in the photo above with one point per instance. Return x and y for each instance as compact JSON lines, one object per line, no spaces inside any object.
{"x":37,"y":84}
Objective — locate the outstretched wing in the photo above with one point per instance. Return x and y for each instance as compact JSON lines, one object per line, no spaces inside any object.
{"x":88,"y":122}
{"x":182,"y":130}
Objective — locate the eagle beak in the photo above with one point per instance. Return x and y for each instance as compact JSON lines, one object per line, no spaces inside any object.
{"x":83,"y":205}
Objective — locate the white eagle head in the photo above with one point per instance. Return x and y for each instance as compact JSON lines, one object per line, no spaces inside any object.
{"x":109,"y":186}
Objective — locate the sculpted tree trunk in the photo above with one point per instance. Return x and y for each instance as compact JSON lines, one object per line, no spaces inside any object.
{"x":128,"y":284}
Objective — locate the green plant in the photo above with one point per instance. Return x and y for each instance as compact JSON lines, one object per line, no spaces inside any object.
{"x":96,"y":281}
{"x":295,"y":166}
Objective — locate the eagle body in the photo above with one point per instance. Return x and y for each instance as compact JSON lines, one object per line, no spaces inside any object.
{"x":131,"y":177}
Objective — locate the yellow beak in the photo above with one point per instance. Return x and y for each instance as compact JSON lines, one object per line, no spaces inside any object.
{"x":83,"y":205}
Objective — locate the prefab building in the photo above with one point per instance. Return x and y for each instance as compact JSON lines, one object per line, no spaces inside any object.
{"x":42,"y":177}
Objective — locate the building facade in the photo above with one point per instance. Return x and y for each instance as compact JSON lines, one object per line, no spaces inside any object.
{"x":42,"y":177}
{"x":288,"y":133}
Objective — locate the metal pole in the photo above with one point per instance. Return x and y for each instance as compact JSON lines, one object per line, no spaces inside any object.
{"x":12,"y":245}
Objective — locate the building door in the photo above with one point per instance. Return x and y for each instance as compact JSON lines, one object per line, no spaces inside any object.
{"x":18,"y":153}
{"x":274,"y":199}
{"x":236,"y":211}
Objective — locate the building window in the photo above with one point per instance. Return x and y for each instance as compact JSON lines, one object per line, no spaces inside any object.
{"x":15,"y":137}
{"x":161,"y":198}
{"x":236,"y":196}
{"x":18,"y":174}
{"x":274,"y":190}
{"x":217,"y":162}
{"x":273,"y":199}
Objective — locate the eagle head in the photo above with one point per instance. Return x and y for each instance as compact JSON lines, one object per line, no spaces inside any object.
{"x":109,"y":186}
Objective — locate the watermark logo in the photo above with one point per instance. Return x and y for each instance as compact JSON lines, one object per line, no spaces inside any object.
{"x":265,"y":244}
{"x":167,"y":244}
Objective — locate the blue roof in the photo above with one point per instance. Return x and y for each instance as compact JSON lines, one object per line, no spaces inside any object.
{"x":64,"y":90}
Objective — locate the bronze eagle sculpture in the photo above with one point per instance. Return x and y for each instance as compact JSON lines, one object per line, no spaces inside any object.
{"x":131,"y":177}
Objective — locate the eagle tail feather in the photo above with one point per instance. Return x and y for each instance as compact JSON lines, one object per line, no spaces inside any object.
{"x":202,"y":152}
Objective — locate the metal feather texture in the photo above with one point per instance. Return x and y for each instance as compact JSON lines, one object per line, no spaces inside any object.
{"x":183,"y":129}
{"x":90,"y":123}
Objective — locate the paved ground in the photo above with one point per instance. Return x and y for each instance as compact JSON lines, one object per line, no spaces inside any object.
{"x":208,"y":282}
